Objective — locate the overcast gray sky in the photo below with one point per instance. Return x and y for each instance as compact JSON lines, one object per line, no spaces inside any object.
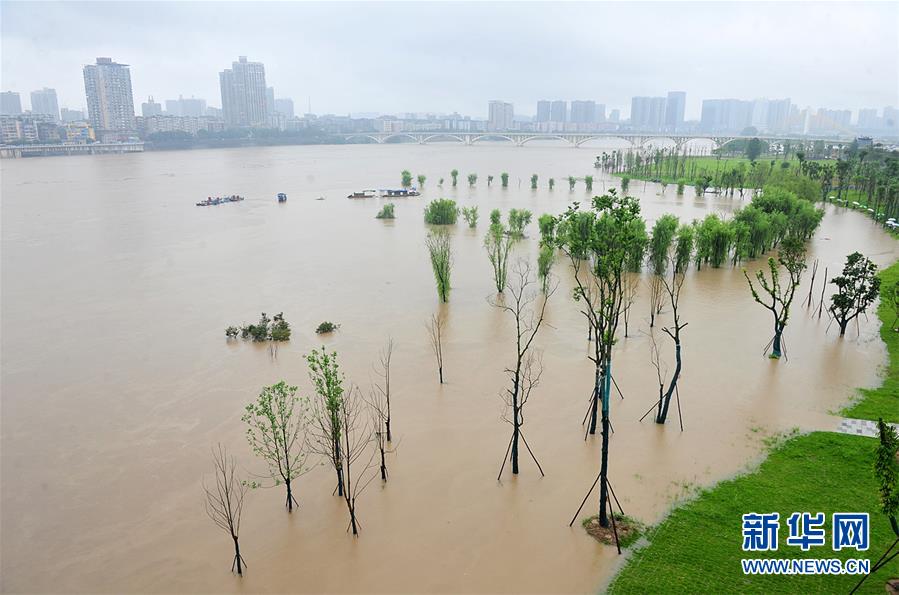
{"x":444,"y":57}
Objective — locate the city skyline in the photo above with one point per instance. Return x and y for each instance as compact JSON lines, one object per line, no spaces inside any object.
{"x":868,"y":67}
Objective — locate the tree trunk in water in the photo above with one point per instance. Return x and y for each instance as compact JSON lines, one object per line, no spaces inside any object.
{"x":515,"y":444}
{"x":353,"y":520}
{"x":289,"y":497}
{"x":383,"y":466}
{"x":387,"y":423}
{"x":666,"y":401}
{"x":604,"y":466}
{"x":237,"y":559}
{"x":775,"y":348}
{"x":440,"y":370}
{"x":843,"y":325}
{"x":594,"y":405}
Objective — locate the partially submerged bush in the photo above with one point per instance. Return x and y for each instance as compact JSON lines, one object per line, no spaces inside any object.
{"x":267,"y":329}
{"x":442,"y":211}
{"x":470,"y":214}
{"x":326,"y":327}
{"x":386,"y":212}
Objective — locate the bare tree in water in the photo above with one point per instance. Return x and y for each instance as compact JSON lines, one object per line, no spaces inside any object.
{"x":224,"y":501}
{"x":778,"y":297}
{"x":327,"y":426}
{"x":379,"y":409}
{"x":519,"y":301}
{"x":277,"y":434}
{"x":435,"y":327}
{"x":383,"y":386}
{"x":359,"y":468}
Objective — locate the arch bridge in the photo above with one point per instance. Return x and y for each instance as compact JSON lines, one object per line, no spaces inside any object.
{"x":519,"y":139}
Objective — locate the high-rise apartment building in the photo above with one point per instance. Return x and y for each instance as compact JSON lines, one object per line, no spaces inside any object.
{"x":778,"y":117}
{"x":192,"y":108}
{"x":284,"y":106}
{"x":150,"y":108}
{"x":648,"y":113}
{"x":10,"y":103}
{"x":675,"y":106}
{"x":244,"y":94}
{"x":725,"y":115}
{"x":499,"y":116}
{"x":558,"y":111}
{"x":110,"y":104}
{"x":543,"y":110}
{"x":44,"y":102}
{"x":71,"y":115}
{"x":583,"y":112}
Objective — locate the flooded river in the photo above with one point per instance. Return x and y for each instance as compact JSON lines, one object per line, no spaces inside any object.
{"x":117,"y":378}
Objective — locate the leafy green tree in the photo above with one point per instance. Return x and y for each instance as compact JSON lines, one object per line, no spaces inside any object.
{"x":470,"y":214}
{"x":598,"y":242}
{"x":439,"y":248}
{"x":498,"y":244}
{"x":386,"y":212}
{"x":495,"y":217}
{"x":276,"y":431}
{"x":327,"y":425}
{"x":779,"y":297}
{"x":518,"y":220}
{"x":753,"y":149}
{"x":472,"y":179}
{"x":421,"y":180}
{"x":545,"y":259}
{"x":571,"y":182}
{"x":547,"y":225}
{"x":455,"y":175}
{"x":407,"y":178}
{"x":680,"y":186}
{"x":663,"y":233}
{"x":886,"y":470}
{"x":588,"y":182}
{"x":552,"y":183}
{"x":504,"y":178}
{"x":442,"y":211}
{"x":857,"y":288}
{"x":625,"y":183}
{"x":533,"y":181}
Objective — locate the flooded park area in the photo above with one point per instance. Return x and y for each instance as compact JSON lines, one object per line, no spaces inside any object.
{"x":117,"y":379}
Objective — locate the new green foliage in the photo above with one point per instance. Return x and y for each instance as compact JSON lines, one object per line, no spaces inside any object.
{"x":442,"y":211}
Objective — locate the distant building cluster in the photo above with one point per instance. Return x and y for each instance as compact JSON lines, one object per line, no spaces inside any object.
{"x":249,"y":102}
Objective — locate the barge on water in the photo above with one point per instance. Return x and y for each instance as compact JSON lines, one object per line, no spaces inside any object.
{"x":219,"y":200}
{"x":386,"y":193}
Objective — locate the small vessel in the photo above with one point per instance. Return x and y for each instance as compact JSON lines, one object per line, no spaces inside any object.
{"x":363,"y":194}
{"x":218,"y":200}
{"x":282,"y":197}
{"x":401,"y":193}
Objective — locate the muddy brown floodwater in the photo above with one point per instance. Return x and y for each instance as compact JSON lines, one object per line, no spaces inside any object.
{"x":117,"y":378}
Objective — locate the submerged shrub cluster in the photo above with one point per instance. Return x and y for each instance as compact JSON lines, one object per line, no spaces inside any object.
{"x":267,"y":329}
{"x":442,"y":211}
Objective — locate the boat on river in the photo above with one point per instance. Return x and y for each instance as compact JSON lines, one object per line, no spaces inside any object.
{"x":219,"y":200}
{"x":386,"y":193}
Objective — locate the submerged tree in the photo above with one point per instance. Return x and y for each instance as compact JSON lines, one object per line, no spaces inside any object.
{"x":470,"y":214}
{"x":857,"y":288}
{"x":472,"y":179}
{"x":406,"y":178}
{"x":379,"y":409}
{"x":498,"y":245}
{"x":588,"y":182}
{"x":518,"y":220}
{"x":441,"y":253}
{"x":276,"y":433}
{"x":519,"y":301}
{"x":571,"y":182}
{"x":489,"y":180}
{"x":533,"y":181}
{"x":358,"y":460}
{"x":504,"y":178}
{"x":552,"y":183}
{"x":778,"y":297}
{"x":224,"y":501}
{"x":435,"y":332}
{"x":383,"y":386}
{"x":327,"y":426}
{"x":673,"y":286}
{"x":598,"y":243}
{"x":545,"y":259}
{"x":421,"y":180}
{"x":455,"y":176}
{"x":663,"y":233}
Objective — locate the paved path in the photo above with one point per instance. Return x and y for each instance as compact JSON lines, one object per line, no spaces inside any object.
{"x":860,"y":427}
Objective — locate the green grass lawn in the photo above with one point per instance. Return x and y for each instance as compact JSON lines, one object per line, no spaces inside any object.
{"x":699,"y":166}
{"x":697,"y":549}
{"x":884,"y":400}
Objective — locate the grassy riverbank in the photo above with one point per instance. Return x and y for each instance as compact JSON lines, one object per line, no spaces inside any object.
{"x":883,"y":401}
{"x":696,"y":167}
{"x":697,"y":548}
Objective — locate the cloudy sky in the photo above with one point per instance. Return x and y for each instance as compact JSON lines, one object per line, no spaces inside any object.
{"x":444,"y":56}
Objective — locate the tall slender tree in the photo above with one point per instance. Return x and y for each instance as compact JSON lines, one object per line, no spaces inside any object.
{"x":440,"y":250}
{"x":857,"y":288}
{"x":224,"y":501}
{"x":327,"y":427}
